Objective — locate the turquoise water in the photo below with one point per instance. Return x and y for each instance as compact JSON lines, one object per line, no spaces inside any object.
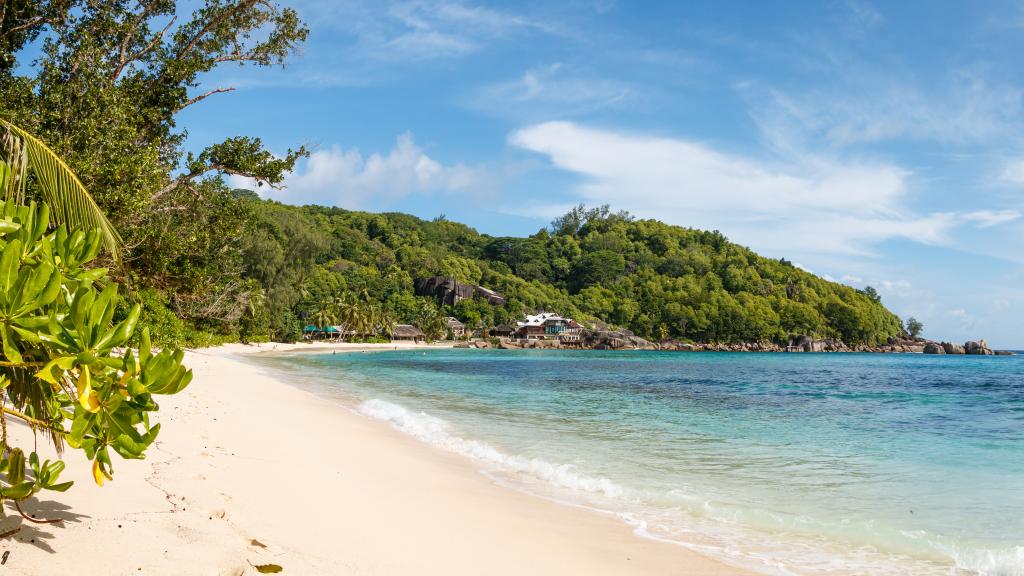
{"x":786,"y":463}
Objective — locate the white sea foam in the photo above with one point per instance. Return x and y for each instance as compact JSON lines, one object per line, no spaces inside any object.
{"x":1006,"y":562}
{"x":437,"y":432}
{"x":707,"y":532}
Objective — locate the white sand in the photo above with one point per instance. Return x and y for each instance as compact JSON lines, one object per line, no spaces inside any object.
{"x":251,"y":470}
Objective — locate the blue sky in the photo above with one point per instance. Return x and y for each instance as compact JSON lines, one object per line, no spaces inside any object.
{"x":877,"y":144}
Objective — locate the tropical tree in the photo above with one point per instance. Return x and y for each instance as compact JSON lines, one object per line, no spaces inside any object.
{"x":58,"y":372}
{"x":914,"y":327}
{"x":33,"y":169}
{"x":105,"y":84}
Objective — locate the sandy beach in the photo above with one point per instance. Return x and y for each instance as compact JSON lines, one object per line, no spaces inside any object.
{"x":249,"y":470}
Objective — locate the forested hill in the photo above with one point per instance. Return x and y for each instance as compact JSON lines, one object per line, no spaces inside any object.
{"x":657,"y":280}
{"x":106,"y":86}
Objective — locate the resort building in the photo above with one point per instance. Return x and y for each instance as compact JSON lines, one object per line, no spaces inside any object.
{"x":407,"y":332}
{"x":501,"y":331}
{"x":458,"y":329}
{"x":549,"y":326}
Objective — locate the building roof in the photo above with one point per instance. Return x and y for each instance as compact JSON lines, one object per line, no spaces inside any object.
{"x":540,"y":319}
{"x":406,"y":331}
{"x":331,"y":329}
{"x":453,"y":322}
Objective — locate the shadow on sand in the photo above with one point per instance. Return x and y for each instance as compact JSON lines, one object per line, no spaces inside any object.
{"x":33,"y":533}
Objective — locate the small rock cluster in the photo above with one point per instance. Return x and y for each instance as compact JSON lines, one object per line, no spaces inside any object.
{"x":608,"y":339}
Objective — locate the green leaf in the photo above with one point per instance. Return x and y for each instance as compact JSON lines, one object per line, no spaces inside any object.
{"x":268,"y":568}
{"x":16,"y":466}
{"x":10,"y":349}
{"x":19,"y":491}
{"x":47,"y":373}
{"x":9,"y":264}
{"x":62,"y":487}
{"x":63,"y":191}
{"x":145,"y":347}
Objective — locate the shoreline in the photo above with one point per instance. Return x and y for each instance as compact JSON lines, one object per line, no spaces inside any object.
{"x":250,"y":470}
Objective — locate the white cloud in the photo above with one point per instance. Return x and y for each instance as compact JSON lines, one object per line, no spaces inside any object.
{"x":420,"y":30}
{"x":550,"y":90}
{"x":880,"y":107}
{"x":860,"y":17}
{"x":850,"y":279}
{"x":346,"y":178}
{"x":989,"y":218}
{"x":1013,"y":172}
{"x":810,"y":204}
{"x":901,"y":288}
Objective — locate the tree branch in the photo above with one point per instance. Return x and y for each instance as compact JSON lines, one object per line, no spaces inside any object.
{"x":202,"y":97}
{"x":210,"y":25}
{"x":128,"y":59}
{"x":30,"y":23}
{"x":32,"y":421}
{"x":35,"y":520}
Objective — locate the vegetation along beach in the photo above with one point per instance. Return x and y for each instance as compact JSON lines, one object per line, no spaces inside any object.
{"x":468,"y":287}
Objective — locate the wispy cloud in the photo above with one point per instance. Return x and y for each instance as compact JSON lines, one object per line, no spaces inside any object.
{"x":551,"y":90}
{"x":968,"y":109}
{"x":419,"y":30}
{"x":989,"y":218}
{"x":1013,"y":172}
{"x":860,"y":17}
{"x":810,"y":204}
{"x":338,"y":177}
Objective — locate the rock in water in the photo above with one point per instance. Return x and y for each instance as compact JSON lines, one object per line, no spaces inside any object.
{"x":952,"y":348}
{"x":933,"y":348}
{"x":977,"y":348}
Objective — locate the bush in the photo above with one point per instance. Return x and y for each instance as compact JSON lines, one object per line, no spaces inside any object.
{"x":166,"y":329}
{"x":59,"y":373}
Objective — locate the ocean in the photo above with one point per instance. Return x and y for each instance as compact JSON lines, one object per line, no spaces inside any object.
{"x":809,"y":464}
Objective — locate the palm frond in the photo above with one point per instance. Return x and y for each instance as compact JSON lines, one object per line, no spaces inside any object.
{"x":70,"y":203}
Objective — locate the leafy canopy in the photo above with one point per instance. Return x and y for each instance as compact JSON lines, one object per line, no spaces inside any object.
{"x":59,"y":373}
{"x":658,"y":280}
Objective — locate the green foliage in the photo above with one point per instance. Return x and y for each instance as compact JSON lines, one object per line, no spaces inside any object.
{"x":209,"y":263}
{"x":658,"y":280}
{"x":165,"y":328}
{"x":52,"y":180}
{"x":105,"y":91}
{"x":59,"y":373}
{"x":914,"y":327}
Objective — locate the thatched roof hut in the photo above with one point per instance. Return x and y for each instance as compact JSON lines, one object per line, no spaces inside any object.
{"x":407,"y":332}
{"x":502,"y":331}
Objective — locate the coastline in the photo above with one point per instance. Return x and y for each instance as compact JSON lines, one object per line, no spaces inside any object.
{"x":250,"y":470}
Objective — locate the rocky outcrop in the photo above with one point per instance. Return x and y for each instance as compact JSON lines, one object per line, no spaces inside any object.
{"x":679,"y":346}
{"x":604,"y":337}
{"x":979,"y":348}
{"x":952,"y":348}
{"x":615,"y":340}
{"x":448,"y":291}
{"x":807,"y":344}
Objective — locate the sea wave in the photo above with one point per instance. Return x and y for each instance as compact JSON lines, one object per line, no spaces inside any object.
{"x":709,"y":531}
{"x":437,"y":432}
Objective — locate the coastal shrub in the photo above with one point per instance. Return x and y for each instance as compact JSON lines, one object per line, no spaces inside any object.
{"x":68,"y":370}
{"x":165,"y":328}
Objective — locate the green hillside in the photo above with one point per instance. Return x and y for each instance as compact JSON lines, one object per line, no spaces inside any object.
{"x":658,"y":280}
{"x":108,"y":91}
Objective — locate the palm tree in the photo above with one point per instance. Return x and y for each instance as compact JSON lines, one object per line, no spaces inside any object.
{"x":27,"y":163}
{"x":385,"y":324}
{"x":325,"y":316}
